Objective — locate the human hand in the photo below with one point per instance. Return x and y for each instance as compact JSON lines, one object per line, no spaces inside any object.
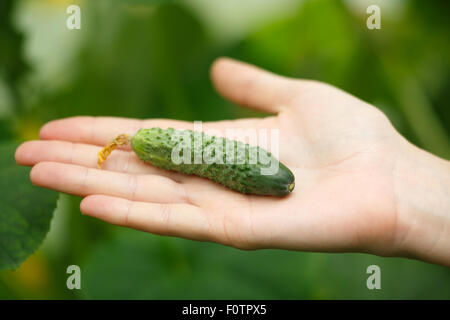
{"x":360,"y":186}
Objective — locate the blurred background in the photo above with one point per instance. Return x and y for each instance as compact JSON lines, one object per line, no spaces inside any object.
{"x":148,"y":59}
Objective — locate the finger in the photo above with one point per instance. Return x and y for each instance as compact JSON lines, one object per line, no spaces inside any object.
{"x":84,"y":181}
{"x":181,"y":220}
{"x":250,"y":86}
{"x":101,"y":130}
{"x":33,"y":152}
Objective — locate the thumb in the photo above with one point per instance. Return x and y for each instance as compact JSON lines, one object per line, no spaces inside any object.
{"x":252,"y":87}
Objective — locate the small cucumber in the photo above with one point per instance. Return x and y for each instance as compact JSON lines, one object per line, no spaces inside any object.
{"x":231,"y":163}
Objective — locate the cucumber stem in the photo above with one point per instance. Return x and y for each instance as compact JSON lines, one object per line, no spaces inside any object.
{"x":120,"y":140}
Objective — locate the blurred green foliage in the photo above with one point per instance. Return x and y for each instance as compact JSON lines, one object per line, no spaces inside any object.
{"x":12,"y":63}
{"x":150,"y":59}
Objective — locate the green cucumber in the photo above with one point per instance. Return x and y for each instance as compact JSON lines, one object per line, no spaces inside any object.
{"x":233,"y":164}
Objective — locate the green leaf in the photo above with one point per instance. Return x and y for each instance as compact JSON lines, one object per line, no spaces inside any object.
{"x":25,"y":211}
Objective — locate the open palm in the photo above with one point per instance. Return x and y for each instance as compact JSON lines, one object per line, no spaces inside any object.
{"x":342,"y":151}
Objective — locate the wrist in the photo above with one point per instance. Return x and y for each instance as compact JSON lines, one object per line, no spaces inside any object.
{"x":422,"y":190}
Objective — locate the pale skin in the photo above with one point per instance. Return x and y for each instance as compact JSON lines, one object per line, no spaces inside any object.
{"x":360,"y":186}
